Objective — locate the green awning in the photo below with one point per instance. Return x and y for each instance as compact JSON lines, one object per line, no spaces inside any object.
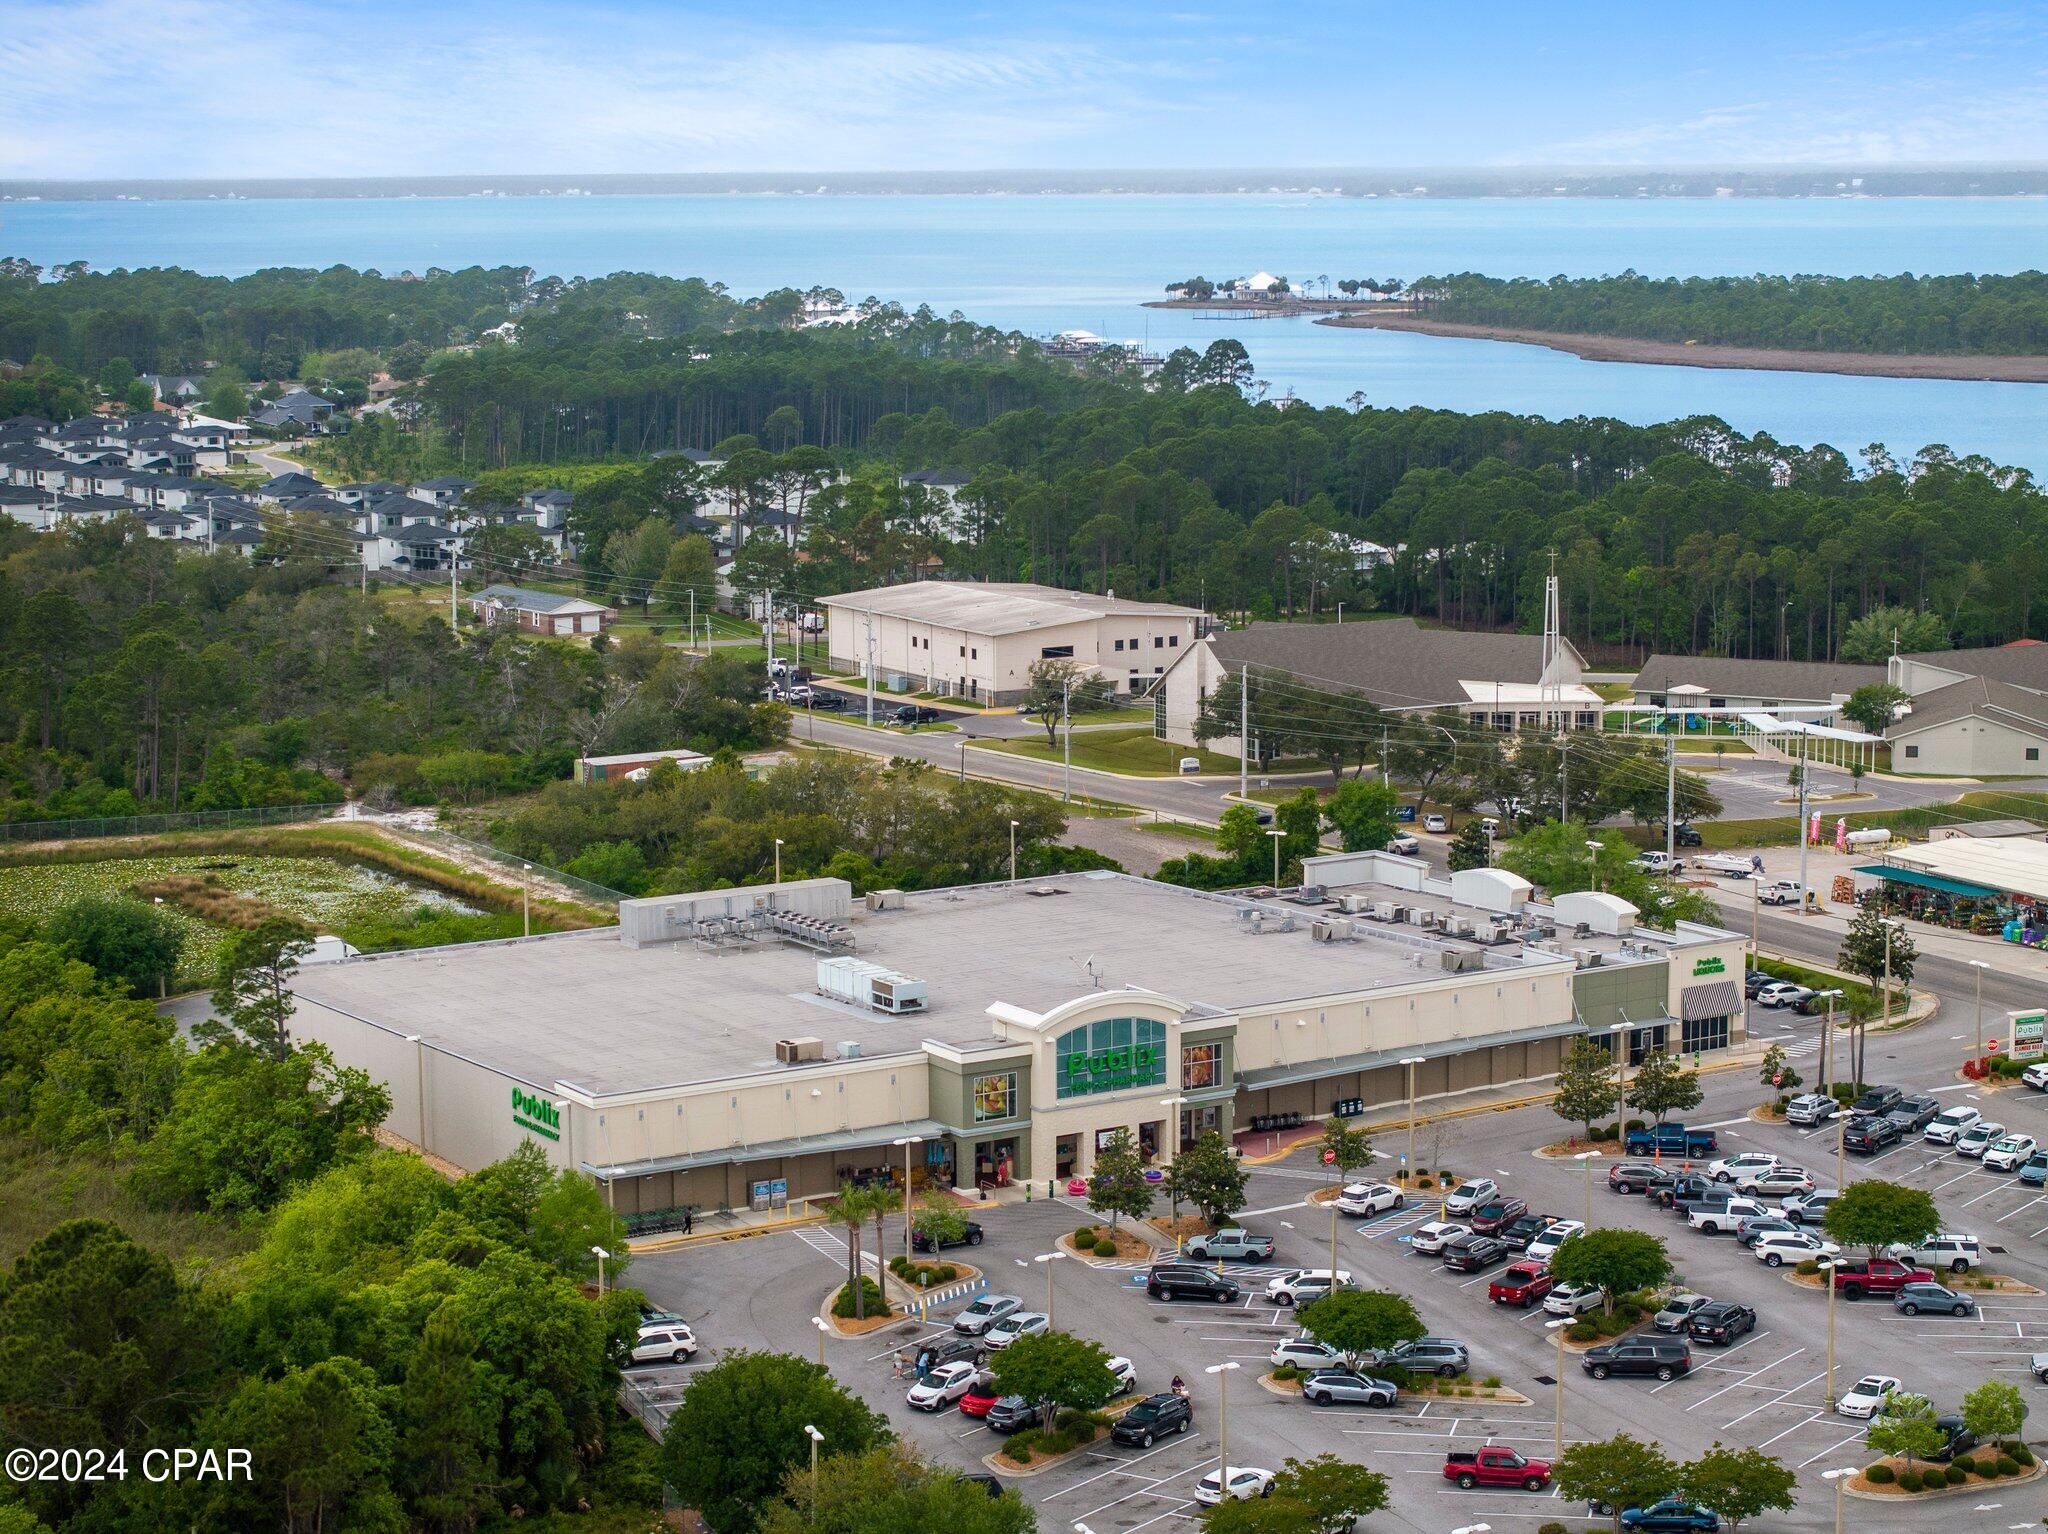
{"x":1929,"y":881}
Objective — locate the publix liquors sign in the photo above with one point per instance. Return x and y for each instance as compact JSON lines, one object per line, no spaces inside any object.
{"x":536,"y":1114}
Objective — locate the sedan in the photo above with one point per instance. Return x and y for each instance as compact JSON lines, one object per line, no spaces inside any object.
{"x":1865,"y":1396}
{"x":1435,"y":822}
{"x":1432,"y":1238}
{"x":1545,"y":1246}
{"x":1911,"y":1299}
{"x":923,"y":1241}
{"x":1779,"y":1248}
{"x":1671,"y":1516}
{"x":1779,"y":1182}
{"x":981,"y":1398}
{"x":1305,"y":1353}
{"x":1364,"y":1198}
{"x":1972,"y":1141}
{"x":1246,"y":1482}
{"x":1334,"y":1387}
{"x":1720,"y":1323}
{"x":1022,"y":1323}
{"x":2005,"y":1155}
{"x":942,"y":1387}
{"x":1572,"y":1299}
{"x":984,"y":1313}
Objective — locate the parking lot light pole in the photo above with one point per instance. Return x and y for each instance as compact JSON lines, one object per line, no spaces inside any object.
{"x":823,"y":1330}
{"x":1585,"y":1160}
{"x":1013,"y":852}
{"x":778,"y":865}
{"x":1557,"y":1329}
{"x":1048,"y":1258}
{"x":1411,"y":1062}
{"x":1980,"y":966}
{"x":906,"y":1142}
{"x":1222,"y":1373}
{"x":601,"y":1255}
{"x":526,"y":910}
{"x":816,"y":1438}
{"x":1278,"y":836}
{"x":1841,"y":1145}
{"x":1618,"y":1032}
{"x":1838,"y":1476}
{"x":1827,"y":1270}
{"x":1827,"y":1028}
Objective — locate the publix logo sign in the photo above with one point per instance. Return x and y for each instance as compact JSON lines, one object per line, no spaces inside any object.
{"x":1713,"y":965}
{"x":536,"y":1114}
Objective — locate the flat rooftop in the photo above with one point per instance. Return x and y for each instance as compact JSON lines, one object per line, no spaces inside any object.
{"x":583,"y":1008}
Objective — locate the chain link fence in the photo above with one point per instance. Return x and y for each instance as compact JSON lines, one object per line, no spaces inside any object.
{"x":519,"y":868}
{"x":155,"y":825}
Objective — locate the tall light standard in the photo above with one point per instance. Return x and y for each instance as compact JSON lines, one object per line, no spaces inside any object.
{"x":1890,"y":926}
{"x":1619,"y":1034}
{"x":1585,"y":1160}
{"x":1980,"y":966}
{"x":1838,"y":1476}
{"x":1277,"y":835}
{"x":1169,"y":1139}
{"x":778,"y":864}
{"x":1222,"y":1373}
{"x":1842,"y":1117}
{"x":1593,"y":864}
{"x":526,"y":904}
{"x":906,"y":1142}
{"x":1411,"y":1062}
{"x":1827,"y":1029}
{"x":1827,"y":1268}
{"x":1013,"y":852}
{"x":1557,"y":1329}
{"x":1048,"y":1258}
{"x":823,"y":1332}
{"x":602,"y":1254}
{"x":816,"y":1438}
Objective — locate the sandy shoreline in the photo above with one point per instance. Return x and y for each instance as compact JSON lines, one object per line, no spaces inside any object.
{"x":1768,"y":359}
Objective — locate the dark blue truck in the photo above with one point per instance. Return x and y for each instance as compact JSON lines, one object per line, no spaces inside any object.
{"x":1671,"y":1140}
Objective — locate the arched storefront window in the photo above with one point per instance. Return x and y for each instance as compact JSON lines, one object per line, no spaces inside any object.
{"x":1115,"y":1054}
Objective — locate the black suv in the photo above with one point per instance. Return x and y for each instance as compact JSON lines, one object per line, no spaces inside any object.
{"x":1665,"y":1357}
{"x":1683,"y":835}
{"x":1869,"y":1133}
{"x":1468,"y":1254}
{"x":1877,"y":1100}
{"x":920,"y":1241}
{"x":1184,"y":1280}
{"x":915,"y":713}
{"x":1153,"y":1417}
{"x":1720,"y":1323}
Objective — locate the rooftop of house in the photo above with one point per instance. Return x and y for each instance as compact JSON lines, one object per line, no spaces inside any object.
{"x":997,"y":607}
{"x":528,"y":600}
{"x":674,"y":1012}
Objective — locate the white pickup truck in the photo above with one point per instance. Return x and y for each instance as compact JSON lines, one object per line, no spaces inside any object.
{"x":1780,"y":892}
{"x":1729,"y":865}
{"x":1657,"y":861}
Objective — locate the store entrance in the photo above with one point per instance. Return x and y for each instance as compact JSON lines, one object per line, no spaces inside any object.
{"x":995,"y":1163}
{"x":1149,"y":1136}
{"x":1066,"y":1150}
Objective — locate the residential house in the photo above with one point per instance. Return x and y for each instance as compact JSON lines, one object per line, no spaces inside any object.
{"x":541,"y":612}
{"x":1981,"y":711}
{"x":298,"y":410}
{"x":175,"y":386}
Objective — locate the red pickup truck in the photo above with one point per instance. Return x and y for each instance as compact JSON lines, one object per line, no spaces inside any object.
{"x":1496,"y":1467}
{"x":1880,"y":1275}
{"x":1521,"y":1283}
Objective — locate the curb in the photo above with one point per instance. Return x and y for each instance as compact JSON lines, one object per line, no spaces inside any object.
{"x":1975,"y":1486}
{"x":643,"y":1245}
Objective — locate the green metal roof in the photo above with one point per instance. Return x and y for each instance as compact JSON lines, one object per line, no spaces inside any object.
{"x":1927,"y":881}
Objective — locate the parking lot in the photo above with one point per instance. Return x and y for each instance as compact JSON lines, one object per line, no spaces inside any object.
{"x":1768,"y":1389}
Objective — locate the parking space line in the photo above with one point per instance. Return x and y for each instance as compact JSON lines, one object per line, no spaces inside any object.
{"x":1779,"y":1400}
{"x":1121,"y":1467}
{"x":1830,"y":1449}
{"x":1762,"y":1369}
{"x":1795,"y":1427}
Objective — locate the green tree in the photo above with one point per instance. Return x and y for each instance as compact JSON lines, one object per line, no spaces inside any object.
{"x":1586,"y":1085}
{"x":1308,"y":1497}
{"x":1739,"y":1484}
{"x":554,"y":1215}
{"x":252,"y":998}
{"x":1360,"y":1323}
{"x":940,"y":1221}
{"x":1905,"y":1426}
{"x":1875,"y":705}
{"x":619,"y":865}
{"x":1880,"y":632}
{"x":689,"y":577}
{"x":1616,"y":1261}
{"x":324,"y":1437}
{"x":738,"y":1432}
{"x":1619,"y":1472}
{"x":139,"y":397}
{"x":130,"y":944}
{"x":1209,"y":1175}
{"x":636,"y":559}
{"x":1995,"y":1412}
{"x":1470,"y":848}
{"x":1053,"y":1370}
{"x":1874,"y":1215}
{"x":1059,"y":688}
{"x":1661,"y":1085}
{"x":1344,"y":1149}
{"x":1776,"y":1071}
{"x":444,"y":1452}
{"x":1363,"y":813}
{"x":1117,"y":1186}
{"x":887,"y":1491}
{"x":225,"y":401}
{"x":1864,"y":947}
{"x":852,"y":1208}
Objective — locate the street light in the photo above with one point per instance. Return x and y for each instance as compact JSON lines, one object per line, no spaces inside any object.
{"x":906,"y":1142}
{"x":1586,"y":1160}
{"x":1618,"y":1034}
{"x":1980,"y":966}
{"x":1222,"y":1373}
{"x":816,"y":1438}
{"x":1593,"y":863}
{"x":1411,"y":1062}
{"x":1013,"y":852}
{"x":778,"y":863}
{"x":1048,"y":1258}
{"x":1838,"y":1476}
{"x":601,"y":1255}
{"x":1557,"y":1328}
{"x":824,"y":1331}
{"x":1170,"y":1140}
{"x":526,"y":900}
{"x":1827,"y":1029}
{"x":1827,"y":1268}
{"x":1277,"y":834}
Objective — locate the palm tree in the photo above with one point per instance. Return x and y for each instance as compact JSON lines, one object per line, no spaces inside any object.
{"x":851,"y":1210}
{"x":884,"y":1201}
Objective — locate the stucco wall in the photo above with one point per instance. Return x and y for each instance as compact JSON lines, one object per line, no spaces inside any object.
{"x":1969,"y":745}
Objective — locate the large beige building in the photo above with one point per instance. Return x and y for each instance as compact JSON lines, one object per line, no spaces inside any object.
{"x":979,"y":639}
{"x":741,"y":1047}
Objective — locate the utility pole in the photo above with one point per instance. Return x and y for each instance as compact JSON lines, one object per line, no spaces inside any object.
{"x":1244,"y":731}
{"x":1803,"y":775}
{"x":454,"y":561}
{"x":1066,"y":740}
{"x":1564,"y":778}
{"x":1386,"y":774}
{"x":692,"y":640}
{"x":1670,"y":790}
{"x":768,"y":627}
{"x":871,"y":667}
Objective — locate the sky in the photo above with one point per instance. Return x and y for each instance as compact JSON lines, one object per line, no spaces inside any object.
{"x":219,"y":88}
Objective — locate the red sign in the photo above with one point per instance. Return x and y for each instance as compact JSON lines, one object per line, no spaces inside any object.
{"x":1329,"y":1158}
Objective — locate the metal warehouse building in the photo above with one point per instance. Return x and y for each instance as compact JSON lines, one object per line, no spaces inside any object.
{"x":742,"y":1046}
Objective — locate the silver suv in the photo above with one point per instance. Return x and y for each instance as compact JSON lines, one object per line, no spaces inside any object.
{"x":1429,"y":1355}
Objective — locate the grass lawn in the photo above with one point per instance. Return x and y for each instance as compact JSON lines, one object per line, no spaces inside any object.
{"x":1115,"y":716}
{"x":1783,"y":830}
{"x":1133,"y":752}
{"x":1614,"y":692}
{"x":1198,"y":835}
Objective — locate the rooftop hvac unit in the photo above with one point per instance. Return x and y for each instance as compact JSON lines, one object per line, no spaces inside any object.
{"x":1352,"y":903}
{"x":885,"y":900}
{"x":796,"y":1051}
{"x":870,"y":985}
{"x":1463,"y":961}
{"x":1386,"y":910}
{"x":1460,"y":926}
{"x":1330,"y":930}
{"x":1586,"y":958}
{"x":896,"y":994}
{"x":849,"y":1049}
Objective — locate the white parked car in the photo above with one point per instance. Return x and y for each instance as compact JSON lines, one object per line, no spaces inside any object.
{"x":1778,"y":993}
{"x":1305,"y":1352}
{"x":1125,"y":1373}
{"x":1863,"y":1398}
{"x":1468,"y":1196}
{"x":1364,"y":1198}
{"x":1246,"y":1482}
{"x":1572,"y":1299}
{"x":1432,"y":1238}
{"x":942,"y":1386}
{"x":1956,"y":1253}
{"x":1781,"y":1247}
{"x":984,"y":1313}
{"x":1435,"y":822}
{"x":1554,"y":1235}
{"x":1974,"y":1140}
{"x":2036,"y":1076}
{"x":1780,"y":1181}
{"x":1405,"y":844}
{"x":1019,"y":1323}
{"x":1300,"y":1288}
{"x":1734,"y":1168}
{"x":1947,"y":1126}
{"x":671,"y":1342}
{"x":2003,"y":1155}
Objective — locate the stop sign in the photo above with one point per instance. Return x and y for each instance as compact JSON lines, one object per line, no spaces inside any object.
{"x":1329,"y":1158}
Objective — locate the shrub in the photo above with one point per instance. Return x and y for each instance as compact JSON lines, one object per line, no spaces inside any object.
{"x":1582,"y":1331}
{"x":1464,"y":1390}
{"x":2007,"y":1465}
{"x":1021,"y":1444}
{"x":1551,"y":1528}
{"x":2021,"y":1453}
{"x":843,"y":1302}
{"x":1955,"y":1475}
{"x":1083,"y":1234}
{"x":1492,"y":1382}
{"x":1879,"y":1475}
{"x":1105,"y":1247}
{"x":1909,"y":1480}
{"x":1808,"y":1267}
{"x":1423,"y":1180}
{"x":1635,"y":1124}
{"x":1287,"y":1372}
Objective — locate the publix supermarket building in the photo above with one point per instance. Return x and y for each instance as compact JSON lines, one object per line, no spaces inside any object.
{"x":736,"y":1048}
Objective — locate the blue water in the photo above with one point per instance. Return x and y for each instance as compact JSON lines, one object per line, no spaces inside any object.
{"x":1040,"y":264}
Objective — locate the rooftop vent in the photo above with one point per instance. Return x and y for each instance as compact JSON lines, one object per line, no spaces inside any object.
{"x":1042,"y":890}
{"x":796,"y":1051}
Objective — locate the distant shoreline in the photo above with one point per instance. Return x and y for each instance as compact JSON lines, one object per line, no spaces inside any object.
{"x":1596,"y":348}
